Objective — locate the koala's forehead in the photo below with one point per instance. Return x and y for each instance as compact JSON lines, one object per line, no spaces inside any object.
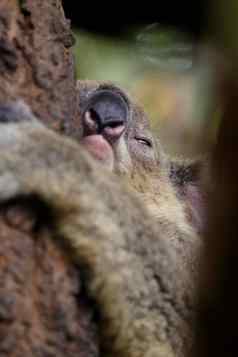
{"x":141,"y":117}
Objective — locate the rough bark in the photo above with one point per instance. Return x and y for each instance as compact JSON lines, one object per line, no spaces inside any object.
{"x":36,"y":61}
{"x":43,"y":310}
{"x":36,"y":64}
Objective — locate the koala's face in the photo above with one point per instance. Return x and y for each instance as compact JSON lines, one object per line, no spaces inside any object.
{"x":115,"y":130}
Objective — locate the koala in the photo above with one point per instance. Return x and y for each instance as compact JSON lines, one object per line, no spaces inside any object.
{"x":139,"y":271}
{"x":116,"y":132}
{"x":115,"y":129}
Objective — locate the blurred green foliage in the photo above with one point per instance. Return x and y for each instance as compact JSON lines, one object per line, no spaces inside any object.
{"x":159,"y":67}
{"x":125,"y":60}
{"x":104,"y":59}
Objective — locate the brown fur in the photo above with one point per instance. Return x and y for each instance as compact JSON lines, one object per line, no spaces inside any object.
{"x":142,"y":285}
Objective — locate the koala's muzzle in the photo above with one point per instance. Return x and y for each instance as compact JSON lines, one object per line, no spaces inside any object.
{"x":106,"y":114}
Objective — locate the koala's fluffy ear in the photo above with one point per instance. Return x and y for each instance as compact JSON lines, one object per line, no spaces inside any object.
{"x":188,"y":180}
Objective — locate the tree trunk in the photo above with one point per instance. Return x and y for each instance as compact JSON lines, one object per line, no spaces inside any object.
{"x":36,"y":62}
{"x":43,"y":310}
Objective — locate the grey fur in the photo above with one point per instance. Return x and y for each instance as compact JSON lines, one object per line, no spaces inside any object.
{"x":142,"y":284}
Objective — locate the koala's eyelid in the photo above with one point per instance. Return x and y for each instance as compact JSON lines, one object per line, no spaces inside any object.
{"x":143,"y":140}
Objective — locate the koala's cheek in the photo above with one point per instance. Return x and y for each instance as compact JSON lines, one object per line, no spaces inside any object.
{"x":142,"y":156}
{"x":123,"y":159}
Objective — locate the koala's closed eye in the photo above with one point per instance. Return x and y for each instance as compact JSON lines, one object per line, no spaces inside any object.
{"x":144,"y":141}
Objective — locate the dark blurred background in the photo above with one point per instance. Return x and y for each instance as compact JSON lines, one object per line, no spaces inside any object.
{"x":115,"y":18}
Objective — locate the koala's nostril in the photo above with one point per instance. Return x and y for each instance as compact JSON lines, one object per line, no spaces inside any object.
{"x":92,"y":121}
{"x":105,"y":110}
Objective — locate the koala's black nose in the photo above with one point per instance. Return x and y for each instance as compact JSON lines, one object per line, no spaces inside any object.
{"x":106,"y":113}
